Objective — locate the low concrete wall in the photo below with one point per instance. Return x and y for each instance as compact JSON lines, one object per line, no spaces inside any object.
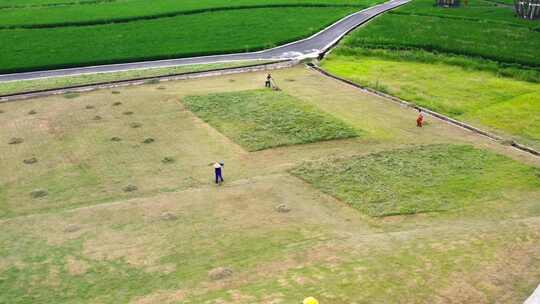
{"x":145,"y":80}
{"x":432,"y":113}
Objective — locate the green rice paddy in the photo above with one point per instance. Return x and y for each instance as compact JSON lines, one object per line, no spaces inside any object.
{"x":38,"y":35}
{"x":481,"y":29}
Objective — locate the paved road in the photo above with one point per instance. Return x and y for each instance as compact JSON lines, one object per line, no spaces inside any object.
{"x":306,"y":48}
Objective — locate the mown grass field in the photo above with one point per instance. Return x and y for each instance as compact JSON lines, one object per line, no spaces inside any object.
{"x":89,"y":241}
{"x":503,"y":105}
{"x":47,"y":35}
{"x":265,"y":119}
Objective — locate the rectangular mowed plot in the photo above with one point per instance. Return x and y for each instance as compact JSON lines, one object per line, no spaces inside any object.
{"x":262,"y":119}
{"x":420,"y":179}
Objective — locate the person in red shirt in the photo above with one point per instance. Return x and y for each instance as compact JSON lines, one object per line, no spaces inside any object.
{"x":420,"y":119}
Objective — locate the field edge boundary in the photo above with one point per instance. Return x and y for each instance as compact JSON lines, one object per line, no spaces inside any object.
{"x":280,"y":64}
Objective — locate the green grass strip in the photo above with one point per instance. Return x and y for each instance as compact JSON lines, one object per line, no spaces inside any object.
{"x":420,"y":179}
{"x":513,"y":70}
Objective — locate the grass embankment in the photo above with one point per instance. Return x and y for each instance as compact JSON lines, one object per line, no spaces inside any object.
{"x":59,"y":82}
{"x":479,"y":30}
{"x":207,"y":33}
{"x":506,"y":106}
{"x":529,"y":74}
{"x":420,"y":179}
{"x":264,"y":119}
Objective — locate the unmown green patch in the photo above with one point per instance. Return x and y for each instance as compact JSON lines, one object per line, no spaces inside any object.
{"x":420,"y":179}
{"x":264,"y":119}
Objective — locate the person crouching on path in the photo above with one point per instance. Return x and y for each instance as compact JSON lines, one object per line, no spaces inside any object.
{"x":218,"y":168}
{"x":268,"y":83}
{"x":420,"y":119}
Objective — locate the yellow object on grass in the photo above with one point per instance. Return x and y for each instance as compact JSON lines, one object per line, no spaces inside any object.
{"x":310,"y":300}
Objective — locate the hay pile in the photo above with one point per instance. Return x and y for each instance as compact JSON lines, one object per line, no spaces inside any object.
{"x":72,"y":228}
{"x":130,"y":188}
{"x":283,"y":208}
{"x":37,"y":193}
{"x":15,"y":141}
{"x":30,"y":161}
{"x":168,"y":216}
{"x":220,"y":273}
{"x":167,"y":160}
